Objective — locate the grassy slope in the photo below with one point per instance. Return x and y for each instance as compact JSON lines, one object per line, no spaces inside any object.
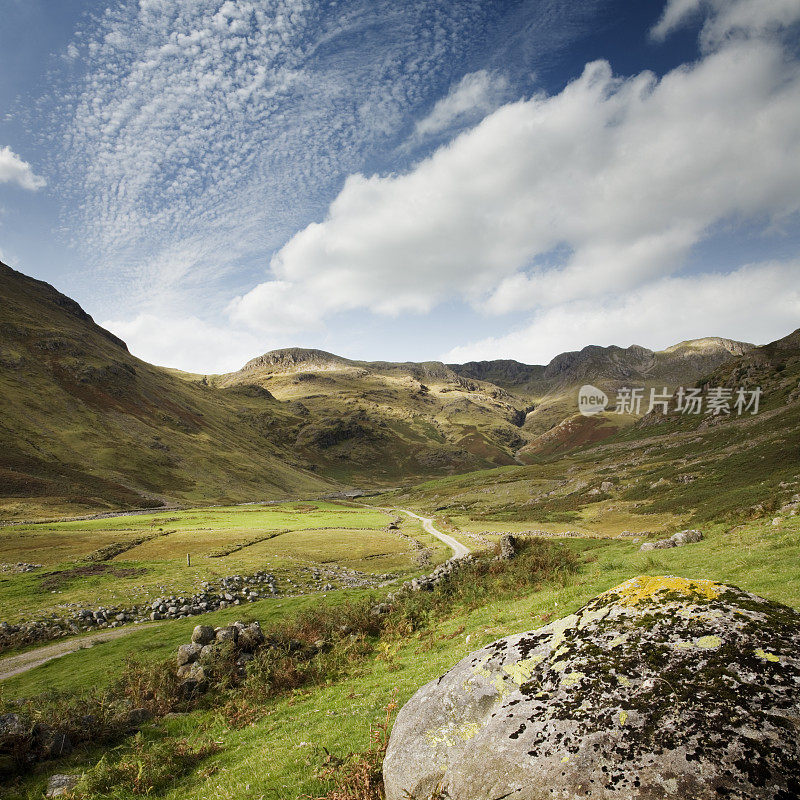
{"x":85,"y":425}
{"x":277,"y":756}
{"x":88,"y":426}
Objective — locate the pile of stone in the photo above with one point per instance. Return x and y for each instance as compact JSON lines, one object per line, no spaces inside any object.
{"x":233,"y":591}
{"x":194,"y":658}
{"x":427,"y":583}
{"x":19,"y":567}
{"x":43,"y":630}
{"x":676,"y":540}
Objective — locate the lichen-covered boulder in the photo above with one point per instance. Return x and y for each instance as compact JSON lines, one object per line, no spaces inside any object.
{"x":660,"y":688}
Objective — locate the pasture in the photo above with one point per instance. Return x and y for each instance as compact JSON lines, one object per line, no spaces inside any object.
{"x":133,"y":559}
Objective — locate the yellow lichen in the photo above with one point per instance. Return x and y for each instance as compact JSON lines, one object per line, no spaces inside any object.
{"x":703,"y":643}
{"x":495,"y":679}
{"x":522,"y":670}
{"x":623,"y":681}
{"x":647,"y":587}
{"x":448,"y":734}
{"x":708,"y":642}
{"x":623,"y":717}
{"x":768,"y":656}
{"x":572,"y":678}
{"x":565,"y":759}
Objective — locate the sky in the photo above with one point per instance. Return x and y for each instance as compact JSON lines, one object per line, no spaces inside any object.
{"x":452,"y":180}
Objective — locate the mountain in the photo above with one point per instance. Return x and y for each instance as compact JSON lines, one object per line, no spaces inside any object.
{"x":661,"y":471}
{"x":86,"y":425}
{"x":383,"y":421}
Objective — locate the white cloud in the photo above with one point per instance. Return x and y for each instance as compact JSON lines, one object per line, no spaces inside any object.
{"x":187,"y":342}
{"x":475,"y":95}
{"x":14,"y":170}
{"x":733,"y":305}
{"x":622,"y":176}
{"x":211,"y":129}
{"x":727,"y":18}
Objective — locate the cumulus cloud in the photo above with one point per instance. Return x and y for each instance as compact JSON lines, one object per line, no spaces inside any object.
{"x":730,"y":305}
{"x":606,"y":185}
{"x":727,"y":18}
{"x":187,"y":342}
{"x":14,"y":170}
{"x":475,"y":95}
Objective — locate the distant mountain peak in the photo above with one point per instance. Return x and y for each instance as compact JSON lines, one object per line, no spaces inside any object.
{"x":295,"y":358}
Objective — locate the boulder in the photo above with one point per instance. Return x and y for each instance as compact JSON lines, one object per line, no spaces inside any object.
{"x":676,"y":540}
{"x":662,"y":544}
{"x":508,"y":547}
{"x":138,"y":717}
{"x":11,"y":727}
{"x":686,"y":537}
{"x":229,"y":634}
{"x":660,"y":688}
{"x":203,"y":634}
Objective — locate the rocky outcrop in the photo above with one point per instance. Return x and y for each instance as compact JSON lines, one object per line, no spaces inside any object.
{"x":676,"y":540}
{"x":660,"y":688}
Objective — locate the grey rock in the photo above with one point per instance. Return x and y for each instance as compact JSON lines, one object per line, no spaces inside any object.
{"x":229,"y":634}
{"x":193,"y":672}
{"x":59,"y":785}
{"x":676,"y":540}
{"x":686,"y":537}
{"x":660,"y":688}
{"x":138,"y":717}
{"x":251,"y":637}
{"x":11,"y":727}
{"x":188,"y":653}
{"x":203,"y":634}
{"x":507,"y":547}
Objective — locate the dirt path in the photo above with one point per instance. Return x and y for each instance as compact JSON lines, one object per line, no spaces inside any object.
{"x":14,"y":665}
{"x":459,"y":550}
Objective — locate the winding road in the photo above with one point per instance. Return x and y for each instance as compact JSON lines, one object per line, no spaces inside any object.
{"x":22,"y":662}
{"x":459,"y":550}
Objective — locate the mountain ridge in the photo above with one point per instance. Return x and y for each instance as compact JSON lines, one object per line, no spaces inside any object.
{"x":87,"y":425}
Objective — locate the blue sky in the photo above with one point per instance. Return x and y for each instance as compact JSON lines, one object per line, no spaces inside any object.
{"x":405,"y":181}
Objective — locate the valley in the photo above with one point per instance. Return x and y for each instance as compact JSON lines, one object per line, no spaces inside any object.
{"x":379,"y":521}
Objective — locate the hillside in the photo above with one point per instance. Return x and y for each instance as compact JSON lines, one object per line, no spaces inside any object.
{"x":661,"y":471}
{"x":87,"y":426}
{"x":409,"y":418}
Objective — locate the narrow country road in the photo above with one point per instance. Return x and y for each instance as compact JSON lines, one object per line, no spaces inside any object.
{"x":14,"y":665}
{"x":458,"y":549}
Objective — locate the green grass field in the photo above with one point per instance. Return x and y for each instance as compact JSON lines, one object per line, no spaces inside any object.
{"x":277,"y":756}
{"x":286,"y":540}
